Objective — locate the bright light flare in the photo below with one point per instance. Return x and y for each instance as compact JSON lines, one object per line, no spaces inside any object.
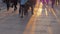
{"x":40,"y":9}
{"x":46,"y":12}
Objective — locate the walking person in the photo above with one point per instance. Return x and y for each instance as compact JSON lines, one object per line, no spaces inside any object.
{"x":7,"y":3}
{"x":22,"y":7}
{"x":32,"y":4}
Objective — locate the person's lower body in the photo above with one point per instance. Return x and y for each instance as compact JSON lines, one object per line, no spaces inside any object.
{"x":21,"y":10}
{"x":8,"y":5}
{"x":26,"y":10}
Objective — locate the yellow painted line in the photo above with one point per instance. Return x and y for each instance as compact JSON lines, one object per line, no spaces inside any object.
{"x":40,"y":10}
{"x":32,"y":31}
{"x":31,"y":22}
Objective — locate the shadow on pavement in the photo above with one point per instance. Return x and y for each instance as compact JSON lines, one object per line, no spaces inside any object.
{"x":23,"y":23}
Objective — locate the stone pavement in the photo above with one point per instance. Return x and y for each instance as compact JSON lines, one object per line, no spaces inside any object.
{"x":13,"y":24}
{"x":44,"y":21}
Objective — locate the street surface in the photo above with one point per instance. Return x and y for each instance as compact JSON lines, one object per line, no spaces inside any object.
{"x":45,"y":20}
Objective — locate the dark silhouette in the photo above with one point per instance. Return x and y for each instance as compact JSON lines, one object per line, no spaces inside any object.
{"x":30,"y":3}
{"x":53,"y":2}
{"x":14,"y":3}
{"x":7,"y":3}
{"x":22,"y":7}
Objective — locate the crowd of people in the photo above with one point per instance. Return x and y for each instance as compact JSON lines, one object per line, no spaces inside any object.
{"x":25,"y":4}
{"x":9,"y":2}
{"x":53,"y":2}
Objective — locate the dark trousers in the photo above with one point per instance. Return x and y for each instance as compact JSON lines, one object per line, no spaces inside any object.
{"x":15,"y":6}
{"x":8,"y":5}
{"x":53,"y":5}
{"x":21,"y":8}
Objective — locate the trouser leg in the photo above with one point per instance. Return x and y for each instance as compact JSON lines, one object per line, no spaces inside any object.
{"x":8,"y":5}
{"x":26,"y":10}
{"x":19,"y":10}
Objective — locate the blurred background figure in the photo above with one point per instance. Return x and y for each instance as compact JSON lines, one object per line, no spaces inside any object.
{"x":7,"y":3}
{"x":53,"y":2}
{"x":47,"y":2}
{"x":57,"y":2}
{"x":14,"y":4}
{"x":22,"y":7}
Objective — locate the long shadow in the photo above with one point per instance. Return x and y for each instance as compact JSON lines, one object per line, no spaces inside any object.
{"x":23,"y":22}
